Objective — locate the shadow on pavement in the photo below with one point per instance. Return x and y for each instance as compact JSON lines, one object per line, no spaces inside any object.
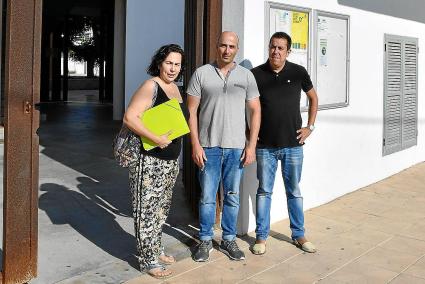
{"x":88,"y":217}
{"x":82,"y":186}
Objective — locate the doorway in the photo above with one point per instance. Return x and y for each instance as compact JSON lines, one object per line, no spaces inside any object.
{"x":84,"y":201}
{"x":82,"y":185}
{"x":77,"y":51}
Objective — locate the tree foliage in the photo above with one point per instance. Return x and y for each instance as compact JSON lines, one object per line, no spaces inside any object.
{"x":84,"y":41}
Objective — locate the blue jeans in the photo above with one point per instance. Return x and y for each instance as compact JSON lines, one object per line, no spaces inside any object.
{"x":291,"y":163}
{"x":222,"y":164}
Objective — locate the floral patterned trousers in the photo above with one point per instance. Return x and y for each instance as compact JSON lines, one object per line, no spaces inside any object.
{"x":151,"y":185}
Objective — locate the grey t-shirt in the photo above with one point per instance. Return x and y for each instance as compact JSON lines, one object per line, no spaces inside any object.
{"x":222,"y":104}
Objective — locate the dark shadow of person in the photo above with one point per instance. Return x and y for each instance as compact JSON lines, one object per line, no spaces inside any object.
{"x":181,"y":221}
{"x":247,"y":196}
{"x":246,"y":63}
{"x":280,"y":237}
{"x":115,"y":200}
{"x":89,"y":218}
{"x":249,"y":185}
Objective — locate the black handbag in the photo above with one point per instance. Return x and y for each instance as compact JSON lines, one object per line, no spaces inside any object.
{"x":127,"y":145}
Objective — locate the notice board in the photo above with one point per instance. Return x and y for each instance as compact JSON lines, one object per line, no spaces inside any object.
{"x":331,"y":59}
{"x":295,"y":21}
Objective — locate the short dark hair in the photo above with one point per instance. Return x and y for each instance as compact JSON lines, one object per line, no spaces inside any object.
{"x":160,"y":56}
{"x":282,"y":35}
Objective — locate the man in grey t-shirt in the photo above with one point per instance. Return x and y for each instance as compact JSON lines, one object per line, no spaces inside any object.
{"x":222,"y":90}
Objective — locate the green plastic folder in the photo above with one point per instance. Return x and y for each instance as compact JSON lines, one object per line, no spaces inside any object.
{"x":163,"y":118}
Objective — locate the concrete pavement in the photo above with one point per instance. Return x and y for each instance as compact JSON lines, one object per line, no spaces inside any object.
{"x":373,"y":235}
{"x":86,"y":232}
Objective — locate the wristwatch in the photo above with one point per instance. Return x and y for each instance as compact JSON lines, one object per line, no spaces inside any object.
{"x":311,"y":127}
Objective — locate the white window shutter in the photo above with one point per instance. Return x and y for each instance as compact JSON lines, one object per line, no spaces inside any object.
{"x":392,"y":95}
{"x":410,"y":93}
{"x":400,"y":93}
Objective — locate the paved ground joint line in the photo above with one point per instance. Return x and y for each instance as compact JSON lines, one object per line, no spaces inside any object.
{"x":273,"y":266}
{"x":409,"y":237}
{"x":413,"y":263}
{"x":354,"y":259}
{"x":202,"y":264}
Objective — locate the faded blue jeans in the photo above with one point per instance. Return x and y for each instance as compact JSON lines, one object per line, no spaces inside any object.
{"x":291,"y":163}
{"x":221,"y":164}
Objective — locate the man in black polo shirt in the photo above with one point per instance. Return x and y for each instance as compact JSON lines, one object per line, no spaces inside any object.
{"x":281,"y":137}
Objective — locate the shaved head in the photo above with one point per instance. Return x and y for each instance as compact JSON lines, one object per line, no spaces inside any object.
{"x":228,"y":34}
{"x":227,"y":47}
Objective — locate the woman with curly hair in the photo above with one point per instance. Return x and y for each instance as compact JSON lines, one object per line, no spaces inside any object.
{"x":152,"y":178}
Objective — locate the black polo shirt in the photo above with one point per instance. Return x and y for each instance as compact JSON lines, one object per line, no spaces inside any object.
{"x":280,"y":95}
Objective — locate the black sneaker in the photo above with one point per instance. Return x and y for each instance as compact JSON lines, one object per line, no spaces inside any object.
{"x":231,"y":249}
{"x":202,"y":252}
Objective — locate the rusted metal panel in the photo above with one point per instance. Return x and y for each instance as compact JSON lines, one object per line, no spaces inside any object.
{"x":214,"y":27}
{"x":22,"y":84}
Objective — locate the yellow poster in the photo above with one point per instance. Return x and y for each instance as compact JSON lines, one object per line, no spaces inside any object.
{"x":299,"y":32}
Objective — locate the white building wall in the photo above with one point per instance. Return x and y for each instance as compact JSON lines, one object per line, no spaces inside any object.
{"x":149,"y":25}
{"x":345,"y":151}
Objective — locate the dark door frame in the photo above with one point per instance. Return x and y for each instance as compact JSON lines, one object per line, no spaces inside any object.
{"x":20,"y":185}
{"x":203,"y":25}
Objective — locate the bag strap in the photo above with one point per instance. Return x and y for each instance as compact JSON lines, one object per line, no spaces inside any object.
{"x":155,"y":93}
